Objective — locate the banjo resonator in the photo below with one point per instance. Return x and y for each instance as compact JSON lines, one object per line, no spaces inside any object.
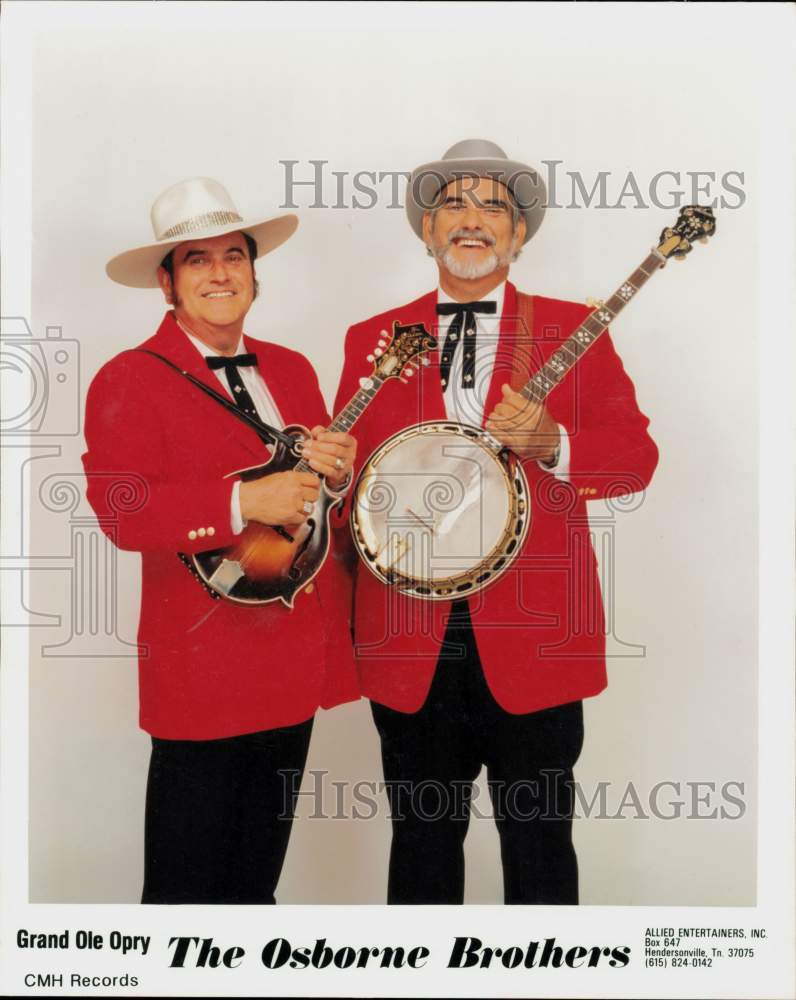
{"x":441,"y":510}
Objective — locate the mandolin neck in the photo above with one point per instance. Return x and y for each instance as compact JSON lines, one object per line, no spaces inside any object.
{"x":350,"y":413}
{"x":574,"y":347}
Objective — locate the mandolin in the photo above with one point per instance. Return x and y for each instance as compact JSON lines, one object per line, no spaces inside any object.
{"x":270,"y":562}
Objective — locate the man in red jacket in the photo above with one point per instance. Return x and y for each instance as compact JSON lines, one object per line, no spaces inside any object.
{"x":498,"y":679}
{"x":228,"y":690}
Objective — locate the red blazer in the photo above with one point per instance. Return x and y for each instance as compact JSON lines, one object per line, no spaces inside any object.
{"x":540,"y":628}
{"x":158,"y":450}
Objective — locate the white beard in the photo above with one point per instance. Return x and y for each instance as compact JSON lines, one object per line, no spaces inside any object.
{"x":470,"y":270}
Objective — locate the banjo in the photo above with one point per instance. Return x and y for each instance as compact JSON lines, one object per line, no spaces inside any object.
{"x":442,"y":509}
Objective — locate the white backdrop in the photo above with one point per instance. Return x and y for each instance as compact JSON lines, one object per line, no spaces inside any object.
{"x":128,"y":99}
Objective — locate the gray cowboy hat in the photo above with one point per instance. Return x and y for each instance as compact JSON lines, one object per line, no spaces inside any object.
{"x":476,"y":158}
{"x":195,"y":209}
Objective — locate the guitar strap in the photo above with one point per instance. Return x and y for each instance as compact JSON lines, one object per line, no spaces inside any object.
{"x":268,"y":434}
{"x":522,"y":357}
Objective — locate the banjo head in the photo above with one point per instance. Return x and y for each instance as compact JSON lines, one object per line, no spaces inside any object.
{"x":440,"y":510}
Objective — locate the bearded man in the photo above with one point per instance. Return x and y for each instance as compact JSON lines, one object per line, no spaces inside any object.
{"x":497,"y":679}
{"x":228,"y":689}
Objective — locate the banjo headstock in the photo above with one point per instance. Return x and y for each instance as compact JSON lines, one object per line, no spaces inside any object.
{"x":407,"y":344}
{"x":693,"y":223}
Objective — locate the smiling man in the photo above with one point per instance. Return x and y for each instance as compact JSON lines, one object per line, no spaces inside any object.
{"x":495,"y":680}
{"x":228,"y":690}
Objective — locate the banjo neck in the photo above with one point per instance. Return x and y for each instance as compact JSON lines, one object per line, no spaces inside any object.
{"x":693,"y":222}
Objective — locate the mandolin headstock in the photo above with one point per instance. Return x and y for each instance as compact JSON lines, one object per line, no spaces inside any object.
{"x":407,"y":344}
{"x":693,"y":223}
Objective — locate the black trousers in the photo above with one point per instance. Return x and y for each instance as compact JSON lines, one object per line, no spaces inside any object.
{"x":218,"y":815}
{"x":431,"y":759}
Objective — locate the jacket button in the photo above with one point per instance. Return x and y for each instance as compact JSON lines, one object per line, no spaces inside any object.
{"x":192,"y":535}
{"x":201,"y":532}
{"x":211,"y":530}
{"x":310,"y":588}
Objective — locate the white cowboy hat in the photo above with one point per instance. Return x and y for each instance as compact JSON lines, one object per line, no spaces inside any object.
{"x":476,"y":158}
{"x":193,"y":210}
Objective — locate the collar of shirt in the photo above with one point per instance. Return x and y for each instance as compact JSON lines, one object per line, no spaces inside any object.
{"x":204,"y":349}
{"x":252,"y":378}
{"x":496,"y":295}
{"x":249,"y":376}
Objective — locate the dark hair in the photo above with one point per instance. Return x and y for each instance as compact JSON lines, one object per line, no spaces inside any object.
{"x":168,"y":261}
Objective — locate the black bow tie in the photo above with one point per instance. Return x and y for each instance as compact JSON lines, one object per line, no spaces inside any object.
{"x":450,"y":308}
{"x":236,"y":361}
{"x":463,"y":319}
{"x":230,"y":365}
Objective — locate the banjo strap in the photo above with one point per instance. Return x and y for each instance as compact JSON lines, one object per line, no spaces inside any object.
{"x":523,"y":343}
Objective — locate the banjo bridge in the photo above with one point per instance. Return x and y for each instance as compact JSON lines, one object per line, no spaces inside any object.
{"x":420,"y":521}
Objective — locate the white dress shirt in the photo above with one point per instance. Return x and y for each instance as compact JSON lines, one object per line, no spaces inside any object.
{"x":466,"y":406}
{"x":267,"y":409}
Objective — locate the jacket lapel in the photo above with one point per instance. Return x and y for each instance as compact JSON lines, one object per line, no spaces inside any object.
{"x":431,"y":402}
{"x":507,"y":340}
{"x":285,"y":395}
{"x":172,"y":343}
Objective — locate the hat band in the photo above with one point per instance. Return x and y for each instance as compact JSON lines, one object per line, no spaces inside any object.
{"x":198,"y":222}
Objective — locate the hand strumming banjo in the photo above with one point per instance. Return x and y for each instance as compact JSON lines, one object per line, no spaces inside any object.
{"x":441,"y":509}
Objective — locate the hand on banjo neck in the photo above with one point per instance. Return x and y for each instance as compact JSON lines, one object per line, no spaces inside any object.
{"x":524,"y":426}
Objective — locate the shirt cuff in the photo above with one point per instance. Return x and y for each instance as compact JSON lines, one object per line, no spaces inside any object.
{"x":561,"y":468}
{"x":341,"y":490}
{"x":236,"y":518}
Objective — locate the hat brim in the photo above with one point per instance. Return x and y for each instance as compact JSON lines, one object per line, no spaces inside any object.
{"x":138,"y":268}
{"x":525,"y":184}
